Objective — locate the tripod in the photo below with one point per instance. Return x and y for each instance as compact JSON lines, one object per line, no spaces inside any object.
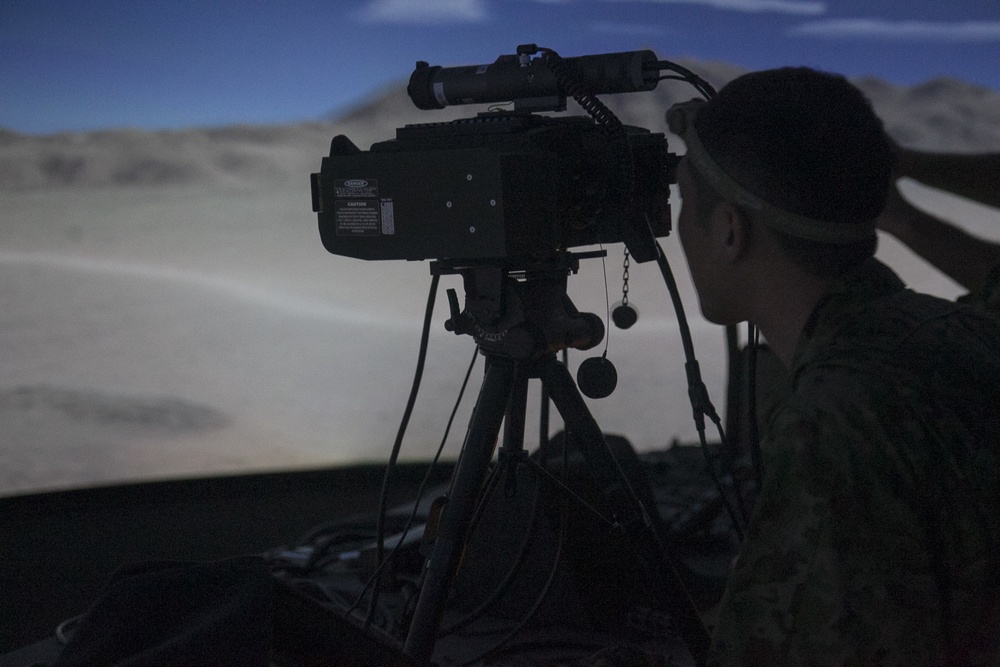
{"x":519,"y":325}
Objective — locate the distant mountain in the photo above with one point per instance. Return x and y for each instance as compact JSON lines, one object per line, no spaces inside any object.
{"x":942,"y":114}
{"x":225,"y":156}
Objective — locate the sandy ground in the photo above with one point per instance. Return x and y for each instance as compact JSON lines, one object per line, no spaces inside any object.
{"x":156,"y":332}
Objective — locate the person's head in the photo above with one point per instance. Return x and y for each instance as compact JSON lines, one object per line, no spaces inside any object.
{"x":807,"y":163}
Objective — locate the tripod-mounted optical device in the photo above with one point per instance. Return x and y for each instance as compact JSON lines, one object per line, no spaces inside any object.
{"x":500,"y":199}
{"x":521,"y":318}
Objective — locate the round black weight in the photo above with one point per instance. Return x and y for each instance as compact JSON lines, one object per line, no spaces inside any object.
{"x":597,"y":377}
{"x":624,"y":316}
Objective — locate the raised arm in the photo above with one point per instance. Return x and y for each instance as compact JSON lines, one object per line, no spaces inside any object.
{"x":962,"y":257}
{"x":976,"y":176}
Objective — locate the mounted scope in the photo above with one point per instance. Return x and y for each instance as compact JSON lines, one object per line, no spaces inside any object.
{"x":505,"y":186}
{"x":518,"y":78}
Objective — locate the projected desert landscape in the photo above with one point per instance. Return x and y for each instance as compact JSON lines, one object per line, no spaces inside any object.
{"x":167,"y":309}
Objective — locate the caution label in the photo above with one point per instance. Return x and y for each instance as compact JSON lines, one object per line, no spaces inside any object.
{"x":357,"y":217}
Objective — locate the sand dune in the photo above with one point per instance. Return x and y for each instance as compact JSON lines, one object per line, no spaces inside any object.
{"x":166,"y":307}
{"x":308,"y":356}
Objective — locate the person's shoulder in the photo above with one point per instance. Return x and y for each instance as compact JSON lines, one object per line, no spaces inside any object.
{"x":904,"y":332}
{"x":937,"y":329}
{"x":891,"y":366}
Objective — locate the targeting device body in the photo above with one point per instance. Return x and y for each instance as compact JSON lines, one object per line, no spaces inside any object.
{"x":503,"y":186}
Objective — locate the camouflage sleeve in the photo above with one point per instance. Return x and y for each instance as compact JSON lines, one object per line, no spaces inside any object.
{"x":785,"y":580}
{"x":832,"y":546}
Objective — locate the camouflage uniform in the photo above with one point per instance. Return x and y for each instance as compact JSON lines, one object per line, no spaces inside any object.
{"x":876,"y":537}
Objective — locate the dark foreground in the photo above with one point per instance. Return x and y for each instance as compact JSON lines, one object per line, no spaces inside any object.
{"x":543,"y":580}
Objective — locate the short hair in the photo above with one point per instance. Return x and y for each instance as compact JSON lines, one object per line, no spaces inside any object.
{"x":808,"y":142}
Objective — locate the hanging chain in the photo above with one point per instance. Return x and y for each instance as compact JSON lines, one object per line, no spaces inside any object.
{"x":625,"y":265}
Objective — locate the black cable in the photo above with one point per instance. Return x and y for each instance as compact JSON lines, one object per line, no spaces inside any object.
{"x":542,"y":596}
{"x":508,"y":578}
{"x":685,"y":79}
{"x":423,"y":485}
{"x":735,"y":382}
{"x":64,"y":631}
{"x":397,"y":445}
{"x":567,"y":494}
{"x":701,"y":404}
{"x":489,"y":485}
{"x":701,"y":85}
{"x":607,"y":300}
{"x":571,"y":85}
{"x":700,"y":401}
{"x":544,"y":593}
{"x":318,"y":531}
{"x":729,"y":466}
{"x":753,"y":342}
{"x":487,"y":492}
{"x":567,"y":491}
{"x":318,"y":558}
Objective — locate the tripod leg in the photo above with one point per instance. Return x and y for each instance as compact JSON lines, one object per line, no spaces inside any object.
{"x":629,"y":513}
{"x":513,"y":430}
{"x":471,"y":472}
{"x":512,"y":453}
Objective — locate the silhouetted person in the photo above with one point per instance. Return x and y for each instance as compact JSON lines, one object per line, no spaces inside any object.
{"x":875,"y":539}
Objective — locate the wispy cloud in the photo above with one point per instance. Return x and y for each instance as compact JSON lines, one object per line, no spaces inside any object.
{"x":617,"y":28}
{"x":912,"y":31}
{"x":801,"y":7}
{"x":423,"y":12}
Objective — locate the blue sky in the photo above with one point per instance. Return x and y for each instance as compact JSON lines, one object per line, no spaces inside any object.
{"x":90,"y":64}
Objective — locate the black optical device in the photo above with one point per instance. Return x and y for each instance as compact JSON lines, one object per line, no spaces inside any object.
{"x":507,"y":186}
{"x":500,"y":198}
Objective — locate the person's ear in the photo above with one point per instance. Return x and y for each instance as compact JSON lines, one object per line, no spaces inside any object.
{"x":732,"y":229}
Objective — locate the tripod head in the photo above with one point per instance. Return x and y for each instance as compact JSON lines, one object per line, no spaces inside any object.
{"x":521,"y":310}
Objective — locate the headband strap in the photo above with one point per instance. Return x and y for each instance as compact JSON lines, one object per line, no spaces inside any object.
{"x":680,"y":119}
